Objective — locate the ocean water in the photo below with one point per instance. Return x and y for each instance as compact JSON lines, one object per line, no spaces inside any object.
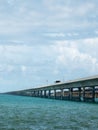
{"x":28,"y":113}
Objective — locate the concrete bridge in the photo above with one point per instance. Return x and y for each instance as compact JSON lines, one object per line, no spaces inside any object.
{"x":84,"y":89}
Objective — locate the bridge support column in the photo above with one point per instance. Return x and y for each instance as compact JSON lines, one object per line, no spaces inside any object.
{"x":84,"y":94}
{"x":71,"y":94}
{"x":44,"y":93}
{"x":49,"y":94}
{"x":36,"y":93}
{"x":93,"y":93}
{"x":40,"y":93}
{"x":79,"y":89}
{"x":62,"y":94}
{"x":54,"y":94}
{"x":33,"y":94}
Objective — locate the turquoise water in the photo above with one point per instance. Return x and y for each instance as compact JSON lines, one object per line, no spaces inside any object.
{"x":28,"y":113}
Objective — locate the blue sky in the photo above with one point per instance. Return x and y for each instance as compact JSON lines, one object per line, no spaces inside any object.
{"x":46,"y":40}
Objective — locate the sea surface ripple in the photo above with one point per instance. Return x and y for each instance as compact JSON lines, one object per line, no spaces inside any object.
{"x":28,"y":113}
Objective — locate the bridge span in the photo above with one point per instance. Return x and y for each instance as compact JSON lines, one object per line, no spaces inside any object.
{"x":83,"y":89}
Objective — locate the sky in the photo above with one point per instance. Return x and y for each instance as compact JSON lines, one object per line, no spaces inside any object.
{"x":42,"y":41}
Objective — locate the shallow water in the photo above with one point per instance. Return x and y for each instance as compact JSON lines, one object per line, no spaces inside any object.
{"x":28,"y":113}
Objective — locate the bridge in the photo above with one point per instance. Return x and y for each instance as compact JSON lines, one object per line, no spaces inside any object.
{"x":83,"y":89}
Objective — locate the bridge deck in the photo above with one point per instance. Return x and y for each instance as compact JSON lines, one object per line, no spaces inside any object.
{"x":82,"y":82}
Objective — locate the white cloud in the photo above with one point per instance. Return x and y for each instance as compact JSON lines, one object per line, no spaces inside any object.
{"x":55,"y":34}
{"x":96,"y":31}
{"x":10,"y":2}
{"x":76,"y":53}
{"x":75,"y":56}
{"x":23,"y":68}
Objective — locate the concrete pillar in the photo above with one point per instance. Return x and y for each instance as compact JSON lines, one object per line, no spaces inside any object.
{"x":45,"y":93}
{"x":84,"y":94}
{"x":37,"y":93}
{"x":71,"y":94}
{"x":79,"y":89}
{"x":49,"y":93}
{"x":93,"y":93}
{"x":55,"y":94}
{"x":62,"y":94}
{"x":40,"y":93}
{"x":33,"y":93}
